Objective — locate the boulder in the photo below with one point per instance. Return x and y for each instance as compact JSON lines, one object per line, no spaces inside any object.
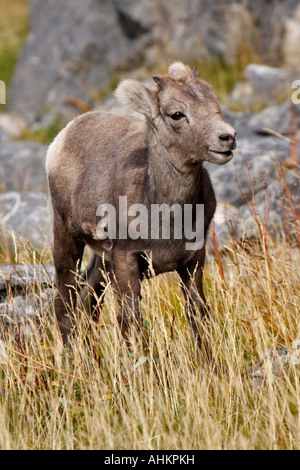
{"x":22,"y":166}
{"x":75,"y":48}
{"x":27,"y":215}
{"x":269,"y":84}
{"x":26,"y":290}
{"x":265,"y":86}
{"x":21,"y":308}
{"x":277,"y":207}
{"x":18,"y":277}
{"x":71,"y":52}
{"x":242,"y":98}
{"x":277,"y":118}
{"x":12,"y":123}
{"x":4,"y":137}
{"x":253,"y":167}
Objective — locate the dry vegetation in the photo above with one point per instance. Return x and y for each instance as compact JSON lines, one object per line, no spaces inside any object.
{"x":161,"y":395}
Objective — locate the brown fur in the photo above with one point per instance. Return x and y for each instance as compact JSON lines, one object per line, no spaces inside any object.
{"x":99,"y":157}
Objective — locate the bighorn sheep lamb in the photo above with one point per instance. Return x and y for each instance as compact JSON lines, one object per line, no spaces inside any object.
{"x":101,"y":159}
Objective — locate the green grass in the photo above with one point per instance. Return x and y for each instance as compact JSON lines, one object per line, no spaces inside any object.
{"x":223,"y":76}
{"x":14,"y":27}
{"x":45,"y":135}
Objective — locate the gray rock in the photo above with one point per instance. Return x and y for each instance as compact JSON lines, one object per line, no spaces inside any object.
{"x":12,"y":123}
{"x":4,"y":137}
{"x":75,"y":47}
{"x":272,"y":367}
{"x":27,"y":215}
{"x":291,"y":38}
{"x":3,"y":353}
{"x":21,"y":309}
{"x":26,"y":291}
{"x":71,"y":51}
{"x":16,"y":309}
{"x":255,"y":161}
{"x":277,"y":118}
{"x":22,"y":166}
{"x":268,"y":83}
{"x":257,"y":144}
{"x":265,"y":86}
{"x":242,"y":97}
{"x":277,"y":207}
{"x":225,"y":224}
{"x":18,"y":277}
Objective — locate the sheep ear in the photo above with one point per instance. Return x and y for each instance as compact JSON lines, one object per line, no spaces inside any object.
{"x":136,"y":95}
{"x":179,"y":71}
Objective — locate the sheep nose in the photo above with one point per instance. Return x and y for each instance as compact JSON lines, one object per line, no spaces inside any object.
{"x":230,"y":139}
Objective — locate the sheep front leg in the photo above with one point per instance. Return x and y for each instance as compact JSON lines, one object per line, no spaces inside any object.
{"x":192,"y":278}
{"x":126,"y":280}
{"x":67,"y":256}
{"x":95,"y":275}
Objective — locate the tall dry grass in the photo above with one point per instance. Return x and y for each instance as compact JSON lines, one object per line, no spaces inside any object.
{"x":161,"y":395}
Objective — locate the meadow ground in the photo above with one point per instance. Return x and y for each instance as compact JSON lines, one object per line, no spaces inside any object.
{"x":161,"y":394}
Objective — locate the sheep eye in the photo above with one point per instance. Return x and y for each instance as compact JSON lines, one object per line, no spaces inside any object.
{"x":177,"y":116}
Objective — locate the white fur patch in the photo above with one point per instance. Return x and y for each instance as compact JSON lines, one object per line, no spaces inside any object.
{"x":51,"y":152}
{"x":53,"y":147}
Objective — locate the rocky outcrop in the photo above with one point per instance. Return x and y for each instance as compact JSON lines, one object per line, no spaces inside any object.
{"x":25,"y":215}
{"x":25,"y":292}
{"x":74,"y":47}
{"x":12,"y":124}
{"x":264,"y":86}
{"x":275,"y":211}
{"x":23,"y":194}
{"x":22,"y":166}
{"x":17,"y":277}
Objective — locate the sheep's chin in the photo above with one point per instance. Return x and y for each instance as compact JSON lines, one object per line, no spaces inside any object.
{"x":219,"y":158}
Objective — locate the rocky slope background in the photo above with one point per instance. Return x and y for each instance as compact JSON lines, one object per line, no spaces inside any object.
{"x":74,"y":55}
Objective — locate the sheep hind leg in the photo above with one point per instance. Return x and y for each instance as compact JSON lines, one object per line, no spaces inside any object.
{"x":67,"y":256}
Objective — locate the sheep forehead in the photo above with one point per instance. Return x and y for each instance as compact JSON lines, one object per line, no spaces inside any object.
{"x":191,"y":92}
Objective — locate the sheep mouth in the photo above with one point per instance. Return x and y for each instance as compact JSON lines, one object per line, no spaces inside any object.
{"x":219,"y":157}
{"x":226,"y":154}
